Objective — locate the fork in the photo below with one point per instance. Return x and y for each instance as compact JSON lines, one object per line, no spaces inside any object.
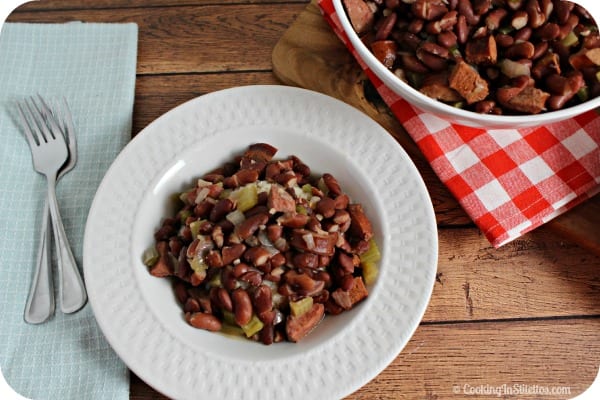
{"x":40,"y":301}
{"x":49,"y":153}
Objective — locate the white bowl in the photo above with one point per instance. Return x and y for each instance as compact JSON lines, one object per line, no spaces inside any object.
{"x":139,"y":314}
{"x":445,"y":111}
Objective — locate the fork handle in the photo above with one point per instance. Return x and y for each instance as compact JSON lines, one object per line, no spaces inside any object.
{"x":71,"y":289}
{"x":40,"y":301}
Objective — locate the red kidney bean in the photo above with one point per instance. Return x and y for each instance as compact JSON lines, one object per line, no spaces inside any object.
{"x":254,"y":278}
{"x":251,"y":225}
{"x":462,"y":29}
{"x":242,"y":306}
{"x":220,"y":209}
{"x":191,"y":305}
{"x":523,"y":34}
{"x":326,"y":207}
{"x":347,"y":282}
{"x":263,"y":299}
{"x":205,"y":321}
{"x":224,"y":299}
{"x":447,"y":39}
{"x":386,"y":27}
{"x":520,"y":50}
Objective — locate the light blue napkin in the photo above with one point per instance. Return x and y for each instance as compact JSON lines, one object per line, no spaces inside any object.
{"x":94,"y":67}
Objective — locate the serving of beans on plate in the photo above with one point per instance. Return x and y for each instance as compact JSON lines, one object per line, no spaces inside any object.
{"x":504,"y":57}
{"x":264,"y":249}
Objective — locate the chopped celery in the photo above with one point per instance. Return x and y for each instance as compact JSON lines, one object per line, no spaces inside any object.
{"x":215,"y":281}
{"x":184,"y":215}
{"x":301,"y":306}
{"x":150,"y":256}
{"x":506,"y":29}
{"x":369,"y":271}
{"x":598,"y":76}
{"x":300,"y":209}
{"x":455,"y":51}
{"x":232,"y":330}
{"x":570,"y":40}
{"x":225,"y":194}
{"x":307,"y":188}
{"x":414,"y":78}
{"x":372,"y":254}
{"x":583,"y":94}
{"x":246,"y":197}
{"x":195,"y":227}
{"x":198,"y":265}
{"x":253,"y":327}
{"x":229,"y":318}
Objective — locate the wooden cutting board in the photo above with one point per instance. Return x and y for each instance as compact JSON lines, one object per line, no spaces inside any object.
{"x":310,"y":55}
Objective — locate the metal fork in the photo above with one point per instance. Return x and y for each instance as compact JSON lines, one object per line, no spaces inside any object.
{"x":49,"y":152}
{"x":40,"y":301}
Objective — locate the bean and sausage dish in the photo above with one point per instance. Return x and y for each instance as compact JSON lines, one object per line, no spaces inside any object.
{"x":489,"y":56}
{"x":263,"y":248}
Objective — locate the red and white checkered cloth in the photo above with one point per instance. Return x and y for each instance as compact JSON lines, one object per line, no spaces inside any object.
{"x":508,"y":181}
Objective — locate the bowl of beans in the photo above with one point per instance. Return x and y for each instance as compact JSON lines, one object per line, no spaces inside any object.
{"x":481,"y":63}
{"x":260,"y":242}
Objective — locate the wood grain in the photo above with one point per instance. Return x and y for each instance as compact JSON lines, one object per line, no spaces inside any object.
{"x":309,"y":55}
{"x":197,"y":39}
{"x":45,"y":5}
{"x":536,"y":276}
{"x":440,"y":357}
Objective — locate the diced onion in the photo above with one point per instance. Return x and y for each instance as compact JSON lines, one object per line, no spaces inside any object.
{"x":236,"y":217}
{"x":309,"y":240}
{"x":513,"y":69}
{"x":201,"y":195}
{"x":202,"y":183}
{"x":266,"y":243}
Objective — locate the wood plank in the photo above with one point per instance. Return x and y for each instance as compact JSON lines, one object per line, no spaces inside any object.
{"x":440,"y":359}
{"x":446,"y":361}
{"x":309,"y":55}
{"x":195,"y":38}
{"x":538,"y":275}
{"x":581,"y":225}
{"x":44,"y":5}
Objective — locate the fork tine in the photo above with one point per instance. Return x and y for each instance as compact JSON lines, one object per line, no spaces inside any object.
{"x":47,"y":111}
{"x":50,"y":111}
{"x":31,"y":136}
{"x":37,"y":122}
{"x":45,"y":118}
{"x":67,"y":119}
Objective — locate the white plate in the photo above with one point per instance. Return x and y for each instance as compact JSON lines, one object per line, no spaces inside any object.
{"x":138,"y":312}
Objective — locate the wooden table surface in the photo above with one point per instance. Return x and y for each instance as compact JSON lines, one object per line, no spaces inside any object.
{"x":523,"y":318}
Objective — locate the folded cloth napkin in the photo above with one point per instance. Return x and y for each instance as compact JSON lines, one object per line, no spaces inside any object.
{"x":509,"y":181}
{"x":93,"y":66}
